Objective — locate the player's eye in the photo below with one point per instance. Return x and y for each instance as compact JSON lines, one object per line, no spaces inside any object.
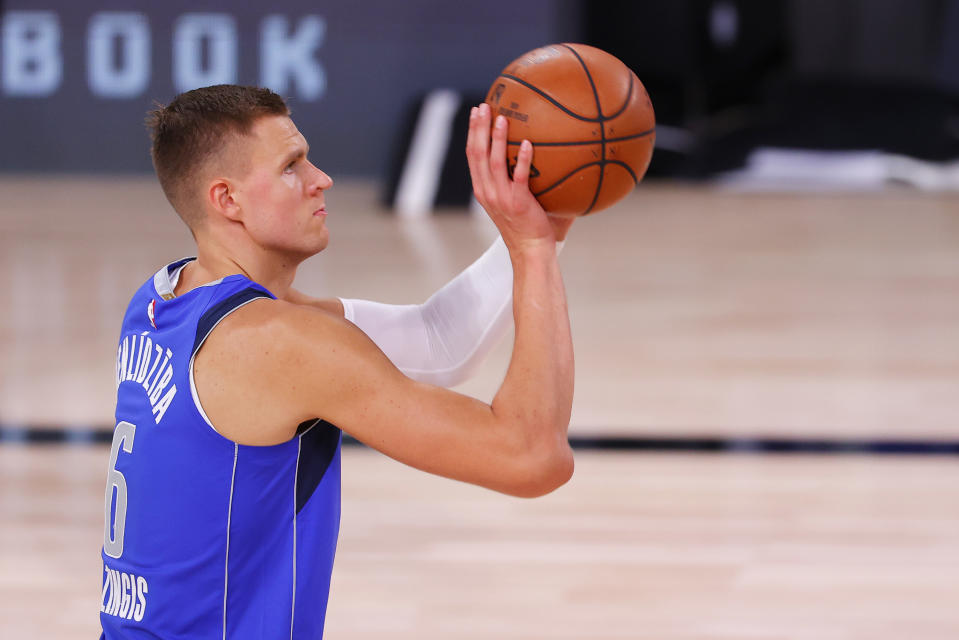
{"x":290,"y":166}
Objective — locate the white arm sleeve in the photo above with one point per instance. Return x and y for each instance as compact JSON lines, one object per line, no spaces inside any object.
{"x":443,"y":340}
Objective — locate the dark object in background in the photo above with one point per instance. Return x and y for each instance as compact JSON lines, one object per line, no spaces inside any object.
{"x":811,"y":74}
{"x":729,"y":76}
{"x":454,"y":188}
{"x":830,"y":114}
{"x":697,"y":58}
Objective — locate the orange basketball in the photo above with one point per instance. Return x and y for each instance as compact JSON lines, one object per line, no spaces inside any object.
{"x":590,"y":121}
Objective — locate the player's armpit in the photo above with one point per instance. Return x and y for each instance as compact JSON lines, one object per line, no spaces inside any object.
{"x":300,"y":364}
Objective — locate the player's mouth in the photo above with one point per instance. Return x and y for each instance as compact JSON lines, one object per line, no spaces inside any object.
{"x":320,"y":212}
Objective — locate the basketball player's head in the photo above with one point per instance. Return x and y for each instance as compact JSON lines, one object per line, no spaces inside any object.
{"x":233,"y":152}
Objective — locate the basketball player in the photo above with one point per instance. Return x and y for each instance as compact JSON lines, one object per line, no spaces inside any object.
{"x":223,"y":489}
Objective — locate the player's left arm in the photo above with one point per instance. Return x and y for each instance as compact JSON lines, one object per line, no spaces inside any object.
{"x":443,"y":340}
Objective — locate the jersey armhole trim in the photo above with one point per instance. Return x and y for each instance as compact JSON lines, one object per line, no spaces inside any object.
{"x":239,"y":301}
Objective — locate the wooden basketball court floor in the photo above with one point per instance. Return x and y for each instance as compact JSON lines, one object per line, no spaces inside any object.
{"x":697,"y":313}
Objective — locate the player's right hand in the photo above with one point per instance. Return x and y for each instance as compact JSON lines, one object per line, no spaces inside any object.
{"x":517,"y":214}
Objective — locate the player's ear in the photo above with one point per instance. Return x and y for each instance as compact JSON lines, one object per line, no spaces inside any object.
{"x":220,"y":197}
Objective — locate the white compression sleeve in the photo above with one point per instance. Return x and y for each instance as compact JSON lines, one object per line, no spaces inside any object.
{"x":443,"y":340}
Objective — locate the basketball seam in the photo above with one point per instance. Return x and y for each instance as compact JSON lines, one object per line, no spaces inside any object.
{"x":580,"y":143}
{"x":551,"y":99}
{"x":598,"y":163}
{"x":568,"y":176}
{"x":641,"y":134}
{"x":629,"y":94}
{"x":602,"y":128}
{"x":626,"y":166}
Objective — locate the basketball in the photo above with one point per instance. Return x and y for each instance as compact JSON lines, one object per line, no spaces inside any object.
{"x":589,"y":118}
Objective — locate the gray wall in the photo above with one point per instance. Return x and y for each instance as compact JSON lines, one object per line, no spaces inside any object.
{"x":77,"y":78}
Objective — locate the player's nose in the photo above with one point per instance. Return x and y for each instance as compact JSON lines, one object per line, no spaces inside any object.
{"x":319,"y":181}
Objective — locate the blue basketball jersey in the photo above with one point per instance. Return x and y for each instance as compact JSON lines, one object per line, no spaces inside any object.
{"x":206,"y":538}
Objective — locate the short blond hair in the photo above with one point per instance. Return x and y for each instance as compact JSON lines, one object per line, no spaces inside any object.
{"x":195,"y":127}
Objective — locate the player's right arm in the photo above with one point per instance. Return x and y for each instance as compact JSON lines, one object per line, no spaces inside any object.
{"x":517,"y":444}
{"x":295,"y":363}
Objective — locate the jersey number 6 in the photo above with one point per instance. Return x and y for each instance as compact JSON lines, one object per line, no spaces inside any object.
{"x":114,"y":521}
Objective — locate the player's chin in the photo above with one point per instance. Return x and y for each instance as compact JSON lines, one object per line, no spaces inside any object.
{"x":322,"y":241}
{"x":307,"y":248}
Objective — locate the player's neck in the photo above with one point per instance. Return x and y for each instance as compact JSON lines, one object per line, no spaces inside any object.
{"x":274,"y":272}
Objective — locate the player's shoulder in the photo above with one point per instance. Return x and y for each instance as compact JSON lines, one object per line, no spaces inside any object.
{"x":280,"y":348}
{"x":275,"y":323}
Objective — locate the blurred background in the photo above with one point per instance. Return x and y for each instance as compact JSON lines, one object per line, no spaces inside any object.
{"x":767,"y":330}
{"x":728,"y":76}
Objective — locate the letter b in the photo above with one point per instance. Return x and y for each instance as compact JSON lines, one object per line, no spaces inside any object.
{"x":32,"y":64}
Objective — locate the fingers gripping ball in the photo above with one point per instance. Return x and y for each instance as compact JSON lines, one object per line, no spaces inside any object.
{"x":590,"y":121}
